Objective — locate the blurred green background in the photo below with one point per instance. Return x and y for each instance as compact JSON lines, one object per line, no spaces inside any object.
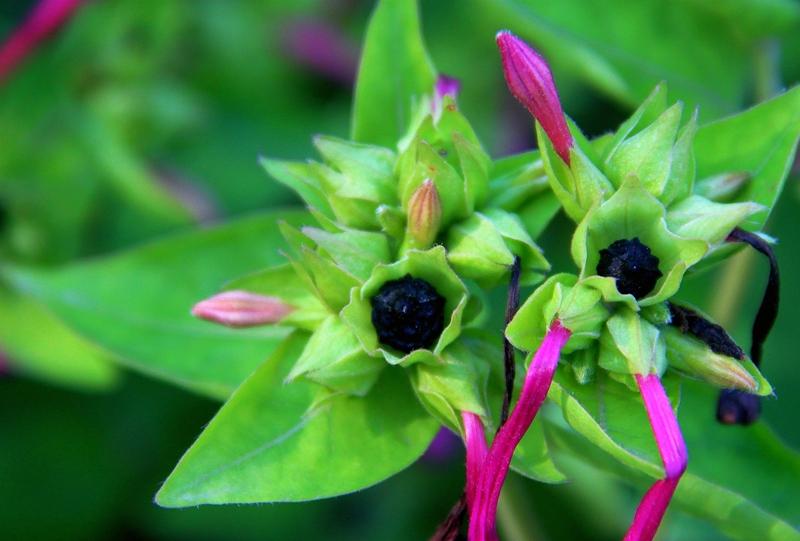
{"x":145,"y":117}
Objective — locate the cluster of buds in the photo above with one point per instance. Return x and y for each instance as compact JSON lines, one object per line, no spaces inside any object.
{"x":392,"y":273}
{"x":640,"y":227}
{"x":406,"y":239}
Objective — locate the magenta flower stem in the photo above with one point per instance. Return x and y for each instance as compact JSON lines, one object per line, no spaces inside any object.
{"x":475,"y":442}
{"x":673,"y":453}
{"x":46,"y":18}
{"x":529,"y":78}
{"x":483,"y":514}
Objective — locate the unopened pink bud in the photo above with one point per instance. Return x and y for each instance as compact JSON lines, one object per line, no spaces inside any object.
{"x":242,"y":309}
{"x":45,"y":19}
{"x":445,"y":86}
{"x":530,"y":81}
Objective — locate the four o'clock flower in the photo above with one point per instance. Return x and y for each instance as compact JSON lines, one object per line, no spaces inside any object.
{"x":43,"y":20}
{"x":387,"y":271}
{"x":640,"y":228}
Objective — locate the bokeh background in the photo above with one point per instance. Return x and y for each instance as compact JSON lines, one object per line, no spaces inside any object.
{"x":143,"y":117}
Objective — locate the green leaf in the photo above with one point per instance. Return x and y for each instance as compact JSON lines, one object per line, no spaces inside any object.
{"x":39,"y":345}
{"x":275,"y":443}
{"x":760,"y":141}
{"x":611,"y":416}
{"x":395,"y":74}
{"x":699,"y":218}
{"x":737,"y":479}
{"x":136,"y":304}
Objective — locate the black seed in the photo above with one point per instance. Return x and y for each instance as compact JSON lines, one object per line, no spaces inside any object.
{"x":408,"y":314}
{"x":633,"y":266}
{"x":713,"y":335}
{"x":736,"y":407}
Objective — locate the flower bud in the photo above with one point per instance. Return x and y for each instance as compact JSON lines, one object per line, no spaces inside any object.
{"x":693,"y":357}
{"x":241,"y":309}
{"x":445,"y":86}
{"x":530,"y":81}
{"x":424,"y":214}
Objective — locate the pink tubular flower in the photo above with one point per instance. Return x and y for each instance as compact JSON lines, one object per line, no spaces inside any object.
{"x":483,"y":513}
{"x":672,"y":449}
{"x":475,"y":442}
{"x":241,"y":309}
{"x":530,"y":81}
{"x":45,"y":19}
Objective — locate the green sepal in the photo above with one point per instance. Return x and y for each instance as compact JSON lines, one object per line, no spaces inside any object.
{"x":699,"y":218}
{"x":477,"y":250}
{"x":694,"y":358}
{"x":631,"y":345}
{"x":431,"y":266}
{"x":357,"y":252}
{"x":334,"y":358}
{"x":452,"y":122}
{"x":283,"y":282}
{"x":680,"y":183}
{"x":392,"y":221}
{"x":456,"y":383}
{"x":304,"y":179}
{"x":427,"y":163}
{"x":474,"y":163}
{"x":514,"y":180}
{"x":650,"y":109}
{"x":633,"y":212}
{"x":578,"y":186}
{"x":561,"y":296}
{"x":520,"y":243}
{"x":583,"y":364}
{"x":368,"y":169}
{"x":648,"y":154}
{"x":328,"y":281}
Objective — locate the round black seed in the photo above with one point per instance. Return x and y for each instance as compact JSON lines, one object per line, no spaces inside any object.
{"x":408,"y":314}
{"x":633,"y":266}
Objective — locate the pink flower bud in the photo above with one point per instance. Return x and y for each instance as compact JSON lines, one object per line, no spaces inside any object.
{"x":241,"y":309}
{"x":530,"y":81}
{"x":45,"y":19}
{"x":424,"y":214}
{"x":445,"y":86}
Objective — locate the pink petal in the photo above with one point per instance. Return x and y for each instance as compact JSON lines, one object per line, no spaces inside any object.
{"x":482,"y":525}
{"x":475,"y":441}
{"x":673,"y":453}
{"x":241,"y":309}
{"x":45,"y":19}
{"x":529,"y":78}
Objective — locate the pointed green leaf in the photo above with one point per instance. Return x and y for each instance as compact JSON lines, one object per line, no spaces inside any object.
{"x":271,"y":443}
{"x":37,"y":344}
{"x":136,"y":304}
{"x":760,"y":141}
{"x":395,"y":74}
